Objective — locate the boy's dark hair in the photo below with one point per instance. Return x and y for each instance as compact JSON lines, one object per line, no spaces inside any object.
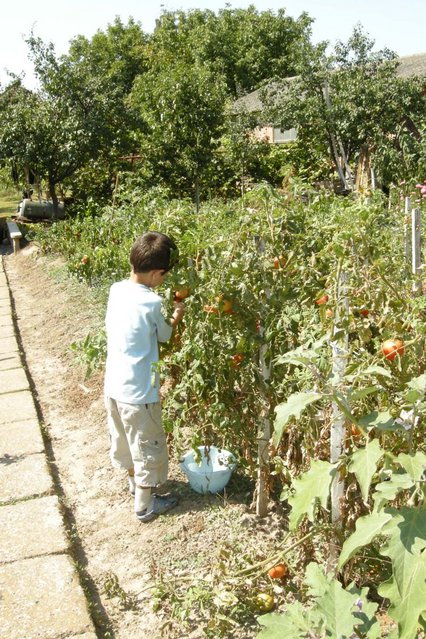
{"x":153,"y":250}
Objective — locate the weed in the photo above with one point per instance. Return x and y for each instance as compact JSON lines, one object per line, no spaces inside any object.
{"x":111,"y":588}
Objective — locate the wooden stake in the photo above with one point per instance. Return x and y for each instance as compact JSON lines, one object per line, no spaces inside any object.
{"x":262,"y":489}
{"x":338,"y":430}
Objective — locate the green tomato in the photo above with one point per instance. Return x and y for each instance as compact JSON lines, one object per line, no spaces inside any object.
{"x":264,"y":602}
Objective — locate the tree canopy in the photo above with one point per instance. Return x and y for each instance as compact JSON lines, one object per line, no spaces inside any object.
{"x":163,"y":98}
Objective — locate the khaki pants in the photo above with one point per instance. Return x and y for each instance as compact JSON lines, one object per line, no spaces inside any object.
{"x":138,"y":441}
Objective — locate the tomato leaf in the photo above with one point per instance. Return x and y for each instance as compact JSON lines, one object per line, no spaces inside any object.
{"x":414,"y":465}
{"x":407,"y":587}
{"x":366,"y":529}
{"x":293,"y":407}
{"x":310,"y":490}
{"x":371,"y":370}
{"x":298,"y":621}
{"x":387,"y":490}
{"x":363,"y":465}
{"x":381,"y":421}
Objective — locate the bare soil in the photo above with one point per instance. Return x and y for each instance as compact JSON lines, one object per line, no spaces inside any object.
{"x":119,"y":559}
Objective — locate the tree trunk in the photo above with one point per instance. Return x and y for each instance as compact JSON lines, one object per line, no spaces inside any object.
{"x":363,"y":175}
{"x":334,"y":143}
{"x":55,"y":201}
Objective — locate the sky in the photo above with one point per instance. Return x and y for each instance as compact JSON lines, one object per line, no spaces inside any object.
{"x":396,"y":24}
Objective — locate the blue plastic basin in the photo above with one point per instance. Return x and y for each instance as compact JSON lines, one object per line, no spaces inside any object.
{"x":213,"y":471}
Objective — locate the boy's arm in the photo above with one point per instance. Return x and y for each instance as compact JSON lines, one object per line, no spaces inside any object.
{"x":165,"y":328}
{"x":178,"y":313}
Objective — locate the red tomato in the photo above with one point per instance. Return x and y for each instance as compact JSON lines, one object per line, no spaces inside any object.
{"x":393,"y":347}
{"x":236,"y":360}
{"x":278,"y":571}
{"x":211,"y":309}
{"x":322,"y":300}
{"x":182,"y":294}
{"x":279,"y":261}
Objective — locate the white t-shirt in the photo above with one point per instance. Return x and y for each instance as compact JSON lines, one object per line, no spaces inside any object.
{"x":134,"y":325}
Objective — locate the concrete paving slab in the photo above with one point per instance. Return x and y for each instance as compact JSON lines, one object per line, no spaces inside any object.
{"x":23,"y":476}
{"x":20,"y":438}
{"x":14,"y":407}
{"x":5,"y":303}
{"x":9,"y":360}
{"x":13,"y":380}
{"x":4,"y":292}
{"x":31,"y":529}
{"x":7,"y":326}
{"x":8,"y":345}
{"x":5,"y":310}
{"x":7,"y":330}
{"x":42,"y":599}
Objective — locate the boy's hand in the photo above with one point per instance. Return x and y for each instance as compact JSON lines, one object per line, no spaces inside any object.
{"x":178,"y":313}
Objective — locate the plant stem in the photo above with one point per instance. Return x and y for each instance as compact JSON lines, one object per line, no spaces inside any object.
{"x":277,"y":557}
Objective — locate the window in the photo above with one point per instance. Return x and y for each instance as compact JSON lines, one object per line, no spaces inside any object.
{"x":282,"y":136}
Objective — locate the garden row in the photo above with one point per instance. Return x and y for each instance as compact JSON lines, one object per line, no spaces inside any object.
{"x":266,"y":310}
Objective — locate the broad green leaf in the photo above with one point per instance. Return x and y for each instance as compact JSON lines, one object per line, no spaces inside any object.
{"x":415,"y":465}
{"x":408,"y":604}
{"x":366,"y":529}
{"x":311,"y":489}
{"x":296,"y":622}
{"x":371,"y":370}
{"x":413,"y":396}
{"x":418,"y":383}
{"x":407,"y":527}
{"x":293,"y":407}
{"x":336,"y":605}
{"x":363,"y":465}
{"x":363,"y":392}
{"x":342,"y":401}
{"x":386,"y":491}
{"x":316,"y":580}
{"x":382,"y":421}
{"x":303,"y":354}
{"x":407,"y":588}
{"x":365,"y":611}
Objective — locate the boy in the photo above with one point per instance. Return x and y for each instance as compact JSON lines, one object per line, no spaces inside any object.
{"x":134,"y":326}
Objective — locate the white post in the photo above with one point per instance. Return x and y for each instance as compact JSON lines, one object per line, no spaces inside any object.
{"x":338,"y":430}
{"x":407,"y":210}
{"x":262,"y":491}
{"x":416,"y":249}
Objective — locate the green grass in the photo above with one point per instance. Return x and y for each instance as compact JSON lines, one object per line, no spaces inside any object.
{"x":8,"y":203}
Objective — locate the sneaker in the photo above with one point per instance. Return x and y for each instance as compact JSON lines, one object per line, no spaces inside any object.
{"x":160,"y":504}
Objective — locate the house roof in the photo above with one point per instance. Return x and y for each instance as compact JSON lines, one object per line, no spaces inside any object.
{"x":408,"y":66}
{"x":412,"y":65}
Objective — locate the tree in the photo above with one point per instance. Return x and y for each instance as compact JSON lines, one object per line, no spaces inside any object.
{"x":67,"y":124}
{"x":350,"y":101}
{"x":182,"y":106}
{"x":246,"y":46}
